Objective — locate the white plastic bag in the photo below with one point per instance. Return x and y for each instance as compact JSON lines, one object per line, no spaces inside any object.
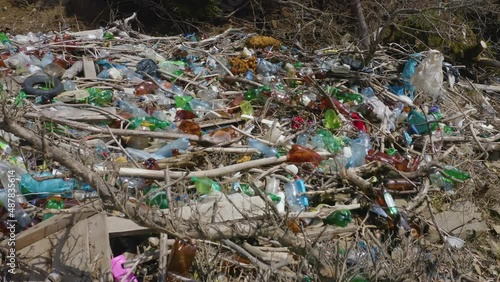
{"x":428,"y":75}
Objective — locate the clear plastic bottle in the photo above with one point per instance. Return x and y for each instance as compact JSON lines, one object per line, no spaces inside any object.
{"x":180,"y":144}
{"x":20,"y":214}
{"x":295,"y":202}
{"x":267,"y":151}
{"x":359,"y":149}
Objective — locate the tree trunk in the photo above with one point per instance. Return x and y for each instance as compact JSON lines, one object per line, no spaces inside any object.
{"x":362,"y":27}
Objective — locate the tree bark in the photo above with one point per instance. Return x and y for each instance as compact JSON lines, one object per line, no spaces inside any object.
{"x":363,"y":31}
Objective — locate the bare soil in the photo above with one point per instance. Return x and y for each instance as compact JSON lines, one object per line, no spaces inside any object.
{"x":18,"y":17}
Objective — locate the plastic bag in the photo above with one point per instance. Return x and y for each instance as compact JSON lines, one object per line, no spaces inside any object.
{"x":428,"y":75}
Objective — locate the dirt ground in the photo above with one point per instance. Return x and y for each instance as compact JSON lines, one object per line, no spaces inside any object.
{"x":18,"y":17}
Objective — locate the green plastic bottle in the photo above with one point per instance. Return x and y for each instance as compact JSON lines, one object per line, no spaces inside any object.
{"x":7,"y":43}
{"x":340,"y":218}
{"x":332,"y":120}
{"x":99,"y":97}
{"x":345,"y":95}
{"x":157,"y":198}
{"x":456,"y":173}
{"x":205,"y":185}
{"x":183,"y":102}
{"x":151,"y":122}
{"x":53,"y":203}
{"x":256,"y":93}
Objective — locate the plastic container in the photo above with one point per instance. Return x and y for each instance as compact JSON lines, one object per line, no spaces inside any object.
{"x":267,"y":151}
{"x":119,"y":272}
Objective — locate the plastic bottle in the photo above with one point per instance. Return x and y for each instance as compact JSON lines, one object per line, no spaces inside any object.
{"x":190,"y":127}
{"x":182,"y":256}
{"x":102,"y":149}
{"x":272,"y":185}
{"x":280,"y":206}
{"x":326,"y":140}
{"x":53,"y":202}
{"x":256,"y":93}
{"x":7,"y":43}
{"x":398,"y":115}
{"x":267,"y":151}
{"x":47,"y":59}
{"x":158,"y":197}
{"x":300,"y":154}
{"x":302,"y":139}
{"x":131,"y":109}
{"x":384,"y":199}
{"x":167,"y":150}
{"x":419,"y":124}
{"x":368,"y":92}
{"x":151,"y":122}
{"x":182,"y":102}
{"x":340,"y":218}
{"x":332,"y":121}
{"x":397,"y":161}
{"x":205,"y":185}
{"x":237,"y":187}
{"x":174,"y":67}
{"x":19,"y":213}
{"x":43,"y":188}
{"x":207,"y":94}
{"x":346,"y":95}
{"x":266,"y":68}
{"x":438,"y":180}
{"x":295,"y":202}
{"x":456,"y":173}
{"x":359,"y":149}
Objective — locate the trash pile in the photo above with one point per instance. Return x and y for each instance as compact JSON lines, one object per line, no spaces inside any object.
{"x":256,"y":158}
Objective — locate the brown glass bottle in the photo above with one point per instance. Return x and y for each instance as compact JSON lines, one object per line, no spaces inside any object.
{"x":398,"y":184}
{"x":182,"y":256}
{"x":397,"y":161}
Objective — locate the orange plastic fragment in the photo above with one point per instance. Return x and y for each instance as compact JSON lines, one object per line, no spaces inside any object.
{"x":301,"y":154}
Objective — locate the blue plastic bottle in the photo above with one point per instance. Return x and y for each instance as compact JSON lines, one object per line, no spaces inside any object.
{"x":295,"y":202}
{"x":359,"y":149}
{"x":180,"y":144}
{"x":46,"y":187}
{"x":263,"y":148}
